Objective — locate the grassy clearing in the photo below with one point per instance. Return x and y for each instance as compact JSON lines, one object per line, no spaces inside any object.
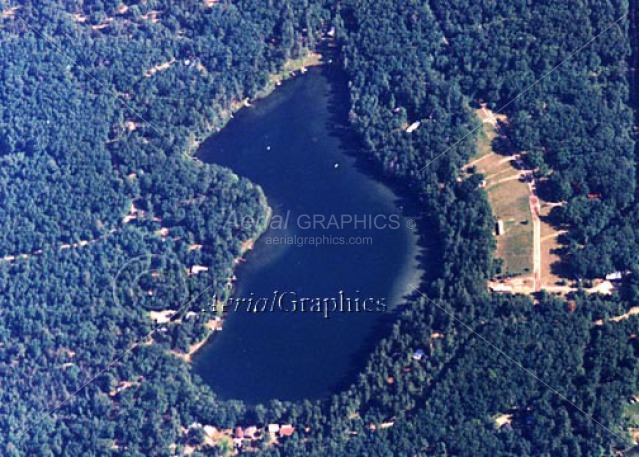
{"x":509,"y":199}
{"x":510,"y":203}
{"x":483,"y":144}
{"x":309,"y":59}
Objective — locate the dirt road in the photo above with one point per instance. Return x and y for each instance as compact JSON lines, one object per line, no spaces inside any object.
{"x":535,"y":208}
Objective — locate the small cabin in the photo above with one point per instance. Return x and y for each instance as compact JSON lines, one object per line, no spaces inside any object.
{"x":197,"y":269}
{"x":502,"y":288}
{"x":286,"y":430}
{"x":209,"y":430}
{"x":499,"y":228}
{"x":419,"y":354}
{"x":414,"y":126}
{"x":615,"y":276}
{"x":250,"y":432}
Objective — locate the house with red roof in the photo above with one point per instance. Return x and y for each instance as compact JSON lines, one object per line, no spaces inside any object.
{"x":286,"y":430}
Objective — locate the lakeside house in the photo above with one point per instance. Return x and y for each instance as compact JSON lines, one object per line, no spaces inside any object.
{"x":197,"y":269}
{"x":615,"y":276}
{"x":286,"y":430}
{"x":414,"y":126}
{"x":273,"y":428}
{"x":250,"y":432}
{"x":419,"y":354}
{"x":209,"y":430}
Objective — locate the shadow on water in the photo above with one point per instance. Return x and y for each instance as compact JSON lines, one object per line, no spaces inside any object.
{"x":427,"y":246}
{"x":339,"y":127}
{"x":215,"y":365}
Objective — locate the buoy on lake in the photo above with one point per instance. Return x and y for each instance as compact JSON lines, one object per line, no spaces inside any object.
{"x":336,"y":165}
{"x":268,"y":148}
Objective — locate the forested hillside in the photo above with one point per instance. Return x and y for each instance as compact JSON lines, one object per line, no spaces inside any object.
{"x":100,"y":103}
{"x":503,"y":376}
{"x":558,"y":70}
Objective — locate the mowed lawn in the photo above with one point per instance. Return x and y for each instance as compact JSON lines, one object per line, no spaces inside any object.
{"x":509,"y":199}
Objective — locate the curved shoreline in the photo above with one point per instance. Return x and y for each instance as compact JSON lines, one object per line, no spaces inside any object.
{"x":290,"y":69}
{"x":307,"y":148}
{"x":215,"y":324}
{"x":310,"y":59}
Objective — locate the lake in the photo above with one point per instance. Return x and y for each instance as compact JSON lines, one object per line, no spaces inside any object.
{"x":297,"y":146}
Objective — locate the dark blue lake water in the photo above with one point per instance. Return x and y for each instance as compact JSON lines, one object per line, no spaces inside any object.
{"x":295,"y":144}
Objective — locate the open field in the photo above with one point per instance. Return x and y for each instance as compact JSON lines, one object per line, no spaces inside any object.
{"x":510,"y":204}
{"x":529,"y":245}
{"x":509,"y":199}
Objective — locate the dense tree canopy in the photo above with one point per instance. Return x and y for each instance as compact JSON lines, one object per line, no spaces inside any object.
{"x":100,"y":104}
